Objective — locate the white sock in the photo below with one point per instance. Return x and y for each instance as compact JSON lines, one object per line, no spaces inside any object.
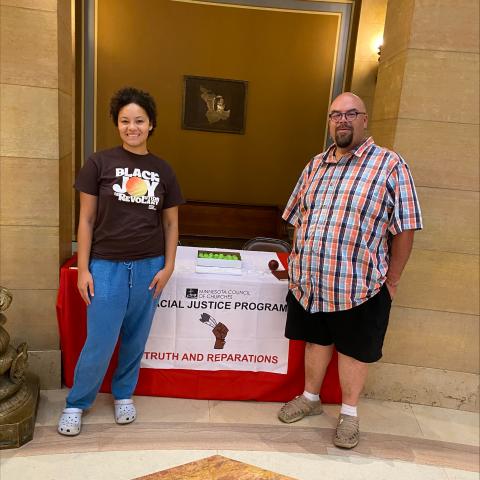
{"x":348,"y":410}
{"x":311,"y":396}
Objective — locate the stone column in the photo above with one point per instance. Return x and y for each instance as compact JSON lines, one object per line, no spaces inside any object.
{"x":35,"y":170}
{"x":426,"y":107}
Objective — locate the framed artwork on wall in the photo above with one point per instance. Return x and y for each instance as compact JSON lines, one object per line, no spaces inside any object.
{"x":214,"y":104}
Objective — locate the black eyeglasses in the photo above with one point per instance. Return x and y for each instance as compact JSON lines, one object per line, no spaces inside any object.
{"x":350,"y":116}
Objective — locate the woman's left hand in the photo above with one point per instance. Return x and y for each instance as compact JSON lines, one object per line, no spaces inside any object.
{"x":159,"y":281}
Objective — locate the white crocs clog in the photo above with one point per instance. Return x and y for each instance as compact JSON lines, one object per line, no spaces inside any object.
{"x":125,"y":411}
{"x":70,"y":422}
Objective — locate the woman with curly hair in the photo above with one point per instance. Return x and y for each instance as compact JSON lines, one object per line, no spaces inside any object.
{"x":127,"y":239}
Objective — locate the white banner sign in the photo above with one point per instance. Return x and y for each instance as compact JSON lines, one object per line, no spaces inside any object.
{"x":220,"y":322}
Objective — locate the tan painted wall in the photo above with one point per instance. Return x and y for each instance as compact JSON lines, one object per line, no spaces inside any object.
{"x":426,"y":108}
{"x":286,"y":58}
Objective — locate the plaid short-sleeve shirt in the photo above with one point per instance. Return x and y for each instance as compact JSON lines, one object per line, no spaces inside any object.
{"x":344,"y":211}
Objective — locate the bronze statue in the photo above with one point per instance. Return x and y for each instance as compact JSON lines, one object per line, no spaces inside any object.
{"x":18,"y":389}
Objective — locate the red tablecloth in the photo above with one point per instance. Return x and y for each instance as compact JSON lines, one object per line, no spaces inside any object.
{"x":199,"y":384}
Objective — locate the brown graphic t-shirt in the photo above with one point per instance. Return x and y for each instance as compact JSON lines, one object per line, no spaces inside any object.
{"x":132,"y":191}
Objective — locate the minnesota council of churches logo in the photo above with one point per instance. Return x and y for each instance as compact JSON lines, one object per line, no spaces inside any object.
{"x":191,"y":293}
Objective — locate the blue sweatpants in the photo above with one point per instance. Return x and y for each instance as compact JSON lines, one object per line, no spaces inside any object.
{"x":122,"y":307}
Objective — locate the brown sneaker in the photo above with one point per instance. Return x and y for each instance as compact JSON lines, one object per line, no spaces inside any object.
{"x":348,"y":431}
{"x":298,"y":408}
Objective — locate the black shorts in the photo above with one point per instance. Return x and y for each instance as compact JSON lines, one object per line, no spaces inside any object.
{"x":358,"y":332}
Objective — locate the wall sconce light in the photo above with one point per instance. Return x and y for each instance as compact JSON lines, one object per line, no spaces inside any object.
{"x":377,"y":46}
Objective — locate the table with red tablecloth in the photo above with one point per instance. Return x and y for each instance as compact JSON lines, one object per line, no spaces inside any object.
{"x":219,"y":384}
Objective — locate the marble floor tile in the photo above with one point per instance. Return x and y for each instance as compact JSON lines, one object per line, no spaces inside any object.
{"x":123,"y":465}
{"x":216,"y":467}
{"x":51,"y":403}
{"x":398,"y":441}
{"x":149,"y":409}
{"x":448,"y":425}
{"x":127,"y":465}
{"x":154,"y":409}
{"x":460,"y":474}
{"x":394,"y":418}
{"x":264,"y":413}
{"x":319,"y":467}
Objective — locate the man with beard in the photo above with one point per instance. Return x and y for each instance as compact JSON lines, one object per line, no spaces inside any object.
{"x":355,"y":211}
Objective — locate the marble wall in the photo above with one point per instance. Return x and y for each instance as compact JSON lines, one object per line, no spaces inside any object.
{"x":35,"y":170}
{"x":426,"y":108}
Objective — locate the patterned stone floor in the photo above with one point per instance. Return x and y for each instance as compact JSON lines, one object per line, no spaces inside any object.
{"x":215,"y":467}
{"x":199,"y":439}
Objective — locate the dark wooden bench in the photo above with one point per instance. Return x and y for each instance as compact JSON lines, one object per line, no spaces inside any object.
{"x":228,"y":225}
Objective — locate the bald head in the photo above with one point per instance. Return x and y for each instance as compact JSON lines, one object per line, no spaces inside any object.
{"x":348,"y":101}
{"x":347,"y":133}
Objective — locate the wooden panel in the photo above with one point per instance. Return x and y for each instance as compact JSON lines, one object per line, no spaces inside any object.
{"x":228,"y":224}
